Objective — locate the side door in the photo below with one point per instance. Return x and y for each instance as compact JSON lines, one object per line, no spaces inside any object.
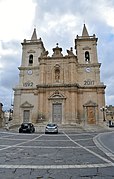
{"x":26,"y":115}
{"x":91,"y":115}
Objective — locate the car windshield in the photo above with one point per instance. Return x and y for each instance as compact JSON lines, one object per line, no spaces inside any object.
{"x":25,"y":125}
{"x":51,"y":125}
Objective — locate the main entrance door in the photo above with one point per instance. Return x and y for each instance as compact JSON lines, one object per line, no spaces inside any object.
{"x":57,"y":113}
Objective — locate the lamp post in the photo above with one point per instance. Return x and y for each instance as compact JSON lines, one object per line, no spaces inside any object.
{"x":103,"y":109}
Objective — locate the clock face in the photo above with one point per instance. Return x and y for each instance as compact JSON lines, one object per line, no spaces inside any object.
{"x":29,"y":72}
{"x":88,"y":69}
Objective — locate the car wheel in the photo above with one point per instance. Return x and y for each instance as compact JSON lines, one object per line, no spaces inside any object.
{"x":20,"y":131}
{"x":31,"y":130}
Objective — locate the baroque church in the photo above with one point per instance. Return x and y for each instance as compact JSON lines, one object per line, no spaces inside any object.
{"x":63,"y":89}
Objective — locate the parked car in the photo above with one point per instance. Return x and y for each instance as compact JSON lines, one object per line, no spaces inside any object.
{"x":51,"y":128}
{"x":111,"y":123}
{"x":27,"y":128}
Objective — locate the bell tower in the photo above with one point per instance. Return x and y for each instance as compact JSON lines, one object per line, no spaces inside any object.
{"x":92,"y":90}
{"x":86,"y":47}
{"x":31,"y":51}
{"x":89,"y":67}
{"x":25,"y":98}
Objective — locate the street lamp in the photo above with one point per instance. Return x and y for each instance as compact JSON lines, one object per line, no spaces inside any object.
{"x":103,"y":109}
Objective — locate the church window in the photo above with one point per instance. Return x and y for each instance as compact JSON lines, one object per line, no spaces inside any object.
{"x":87,"y":57}
{"x":30,"y":59}
{"x":57,"y":74}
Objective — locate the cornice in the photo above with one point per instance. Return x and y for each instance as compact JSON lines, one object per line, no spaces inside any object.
{"x":89,"y":65}
{"x":57,"y":85}
{"x":28,"y":67}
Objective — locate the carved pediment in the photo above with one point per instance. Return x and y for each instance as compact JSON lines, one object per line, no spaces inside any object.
{"x":90,"y":104}
{"x":57,"y":95}
{"x":26,"y":104}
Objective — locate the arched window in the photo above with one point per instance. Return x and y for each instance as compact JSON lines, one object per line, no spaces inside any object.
{"x":57,"y":74}
{"x":87,"y":57}
{"x":30,"y":59}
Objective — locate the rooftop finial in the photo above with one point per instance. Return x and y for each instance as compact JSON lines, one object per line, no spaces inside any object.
{"x":57,"y":44}
{"x":34,"y":35}
{"x":85,"y":32}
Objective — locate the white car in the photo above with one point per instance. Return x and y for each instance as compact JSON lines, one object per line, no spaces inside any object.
{"x":51,"y":128}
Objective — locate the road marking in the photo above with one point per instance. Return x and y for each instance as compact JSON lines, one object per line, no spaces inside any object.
{"x":10,"y":146}
{"x":55,"y":166}
{"x":90,"y":151}
{"x":12,"y":139}
{"x":62,"y":140}
{"x":102,"y":147}
{"x":47,"y":147}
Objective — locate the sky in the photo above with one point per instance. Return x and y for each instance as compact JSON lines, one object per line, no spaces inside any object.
{"x":57,"y":21}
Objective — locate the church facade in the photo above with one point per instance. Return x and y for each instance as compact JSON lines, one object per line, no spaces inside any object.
{"x":64,"y":89}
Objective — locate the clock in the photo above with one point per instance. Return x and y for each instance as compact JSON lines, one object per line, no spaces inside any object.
{"x":88,"y":69}
{"x":29,"y":72}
